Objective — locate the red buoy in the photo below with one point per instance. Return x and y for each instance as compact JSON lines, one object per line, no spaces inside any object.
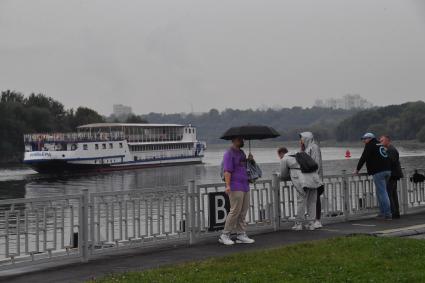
{"x":348,"y":154}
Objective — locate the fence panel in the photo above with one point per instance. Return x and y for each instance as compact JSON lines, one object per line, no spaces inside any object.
{"x":260,"y":211}
{"x":345,"y":195}
{"x":121,"y":220}
{"x":39,"y":230}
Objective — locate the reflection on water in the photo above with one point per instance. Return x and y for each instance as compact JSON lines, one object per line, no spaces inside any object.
{"x":18,"y":182}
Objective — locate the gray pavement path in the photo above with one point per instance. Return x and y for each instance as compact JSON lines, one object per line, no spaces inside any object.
{"x":141,"y":259}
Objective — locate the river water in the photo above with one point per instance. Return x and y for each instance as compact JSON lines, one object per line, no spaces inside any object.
{"x":18,"y":181}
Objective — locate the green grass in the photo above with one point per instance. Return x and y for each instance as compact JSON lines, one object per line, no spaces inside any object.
{"x":347,"y":259}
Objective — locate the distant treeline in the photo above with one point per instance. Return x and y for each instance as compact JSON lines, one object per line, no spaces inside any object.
{"x":288,"y":121}
{"x":21,"y":114}
{"x":402,"y":122}
{"x":34,"y":113}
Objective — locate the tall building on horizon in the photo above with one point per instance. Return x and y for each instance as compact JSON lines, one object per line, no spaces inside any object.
{"x":120,"y":110}
{"x":347,"y":102}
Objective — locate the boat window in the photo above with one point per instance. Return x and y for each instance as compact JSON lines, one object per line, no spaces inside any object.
{"x":120,"y":144}
{"x":85,"y":147}
{"x":74,"y":147}
{"x":104,"y":145}
{"x":111,"y":145}
{"x":96,"y":146}
{"x":135,"y":158}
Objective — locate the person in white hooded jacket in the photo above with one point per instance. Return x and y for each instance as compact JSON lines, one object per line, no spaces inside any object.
{"x":310,"y":146}
{"x":305,"y":184}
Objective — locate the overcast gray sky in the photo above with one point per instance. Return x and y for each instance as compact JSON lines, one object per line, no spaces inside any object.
{"x":163,"y":55}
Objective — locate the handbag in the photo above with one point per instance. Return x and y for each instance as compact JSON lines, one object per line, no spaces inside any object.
{"x":254,"y":171}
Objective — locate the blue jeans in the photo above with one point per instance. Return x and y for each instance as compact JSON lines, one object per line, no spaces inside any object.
{"x":380,"y":179}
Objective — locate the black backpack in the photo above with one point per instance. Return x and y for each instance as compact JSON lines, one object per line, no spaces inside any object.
{"x":307,"y":164}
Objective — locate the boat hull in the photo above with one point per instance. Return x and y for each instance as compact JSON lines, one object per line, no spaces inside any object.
{"x":60,"y":166}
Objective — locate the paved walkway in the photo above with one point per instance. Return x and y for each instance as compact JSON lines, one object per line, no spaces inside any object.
{"x":142,"y":259}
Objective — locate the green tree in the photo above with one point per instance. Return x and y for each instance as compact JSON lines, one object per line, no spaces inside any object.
{"x":85,"y":115}
{"x":9,"y":96}
{"x":400,"y":121}
{"x":35,"y":113}
{"x":135,"y":119}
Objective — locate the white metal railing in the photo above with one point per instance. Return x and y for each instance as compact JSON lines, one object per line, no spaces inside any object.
{"x":82,"y":226}
{"x":131,"y":218}
{"x":259,"y":212}
{"x":73,"y":137}
{"x":40,"y":229}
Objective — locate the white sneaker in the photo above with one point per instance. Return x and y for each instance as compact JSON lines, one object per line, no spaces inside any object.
{"x":317,"y":224}
{"x":225,"y":240}
{"x":244,"y":239}
{"x":297,"y":227}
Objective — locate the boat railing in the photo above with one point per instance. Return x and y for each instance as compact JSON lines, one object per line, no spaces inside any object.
{"x":100,"y":136}
{"x":73,"y":137}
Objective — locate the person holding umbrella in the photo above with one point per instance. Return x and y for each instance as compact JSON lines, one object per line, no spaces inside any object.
{"x":237,"y":178}
{"x":237,"y":188}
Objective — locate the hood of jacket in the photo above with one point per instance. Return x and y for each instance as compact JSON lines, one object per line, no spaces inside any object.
{"x":308,"y":139}
{"x":313,"y":149}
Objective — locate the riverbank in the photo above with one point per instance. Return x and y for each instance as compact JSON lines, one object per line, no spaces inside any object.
{"x":407,"y":144}
{"x":11,"y":159}
{"x":15,"y":159}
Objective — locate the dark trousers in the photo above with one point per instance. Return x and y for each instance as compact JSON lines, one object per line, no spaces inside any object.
{"x":393,"y":196}
{"x":320,"y":191}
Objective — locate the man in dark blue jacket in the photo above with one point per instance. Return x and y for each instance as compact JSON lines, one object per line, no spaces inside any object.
{"x":396,"y":174}
{"x":378,"y":165}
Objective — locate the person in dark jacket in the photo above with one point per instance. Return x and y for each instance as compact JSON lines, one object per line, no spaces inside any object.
{"x":378,"y":165}
{"x":417,"y":177}
{"x":396,"y":174}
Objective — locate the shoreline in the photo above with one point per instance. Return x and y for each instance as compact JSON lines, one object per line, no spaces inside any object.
{"x":406,"y":144}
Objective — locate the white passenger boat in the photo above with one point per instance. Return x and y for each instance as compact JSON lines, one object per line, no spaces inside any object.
{"x":113,"y":146}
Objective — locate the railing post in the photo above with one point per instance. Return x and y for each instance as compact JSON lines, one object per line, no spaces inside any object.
{"x":275,"y":201}
{"x":91,"y":207}
{"x":191,"y":212}
{"x":346,"y":194}
{"x":83,"y":231}
{"x":404,"y":193}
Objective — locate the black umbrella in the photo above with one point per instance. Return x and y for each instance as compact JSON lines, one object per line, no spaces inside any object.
{"x":250,"y":132}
